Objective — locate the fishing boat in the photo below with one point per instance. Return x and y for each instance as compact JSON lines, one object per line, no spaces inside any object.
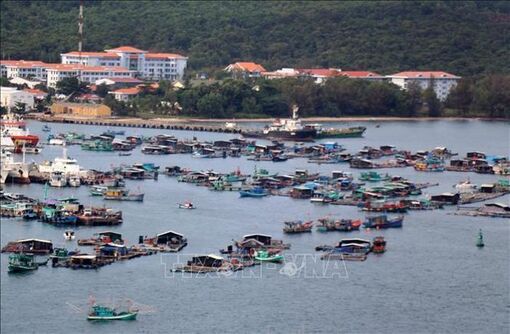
{"x":120,"y":194}
{"x":74,"y":181}
{"x":186,"y":205}
{"x":99,"y":312}
{"x":46,"y":128}
{"x":373,"y":177}
{"x":378,"y":245}
{"x":254,"y":192}
{"x":343,"y":225}
{"x":97,"y":190}
{"x":383,"y":221}
{"x":124,"y":154}
{"x":69,"y":235}
{"x":21,"y":263}
{"x":298,"y":227}
{"x":264,"y":256}
{"x":348,"y":246}
{"x":57,"y":179}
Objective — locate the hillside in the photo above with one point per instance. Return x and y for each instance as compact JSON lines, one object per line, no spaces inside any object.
{"x":465,"y":38}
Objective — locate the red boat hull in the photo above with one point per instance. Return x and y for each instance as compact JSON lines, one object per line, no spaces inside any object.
{"x":26,"y":140}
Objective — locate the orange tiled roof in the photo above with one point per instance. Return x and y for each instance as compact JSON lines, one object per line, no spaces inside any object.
{"x":128,"y":91}
{"x":23,"y":63}
{"x":126,"y":48}
{"x":359,"y":74}
{"x":424,"y":74}
{"x":162,"y":55}
{"x":92,"y":54}
{"x":249,"y":67}
{"x":35,"y":91}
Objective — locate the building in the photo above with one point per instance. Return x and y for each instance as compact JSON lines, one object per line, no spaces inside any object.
{"x":281,"y":74}
{"x":146,"y":65}
{"x":442,"y":82}
{"x":243,"y":70}
{"x":364,"y":75}
{"x":23,"y":69}
{"x":10,"y":96}
{"x":125,"y":94}
{"x":320,"y":75}
{"x":85,"y":73}
{"x":81,"y":109}
{"x":30,"y":83}
{"x":116,"y":83}
{"x":36,"y":93}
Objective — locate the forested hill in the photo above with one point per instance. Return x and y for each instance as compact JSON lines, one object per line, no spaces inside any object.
{"x":465,"y":38}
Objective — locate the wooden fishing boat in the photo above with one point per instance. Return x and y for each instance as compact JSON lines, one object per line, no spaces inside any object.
{"x":378,"y":245}
{"x":343,"y":225}
{"x":254,"y":192}
{"x":298,"y":227}
{"x":21,"y":263}
{"x":120,"y":194}
{"x":99,"y":312}
{"x":383,"y":221}
{"x":264,"y":256}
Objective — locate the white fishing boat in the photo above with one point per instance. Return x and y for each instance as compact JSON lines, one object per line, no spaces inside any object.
{"x":74,"y":181}
{"x":57,"y":179}
{"x":68,"y":167}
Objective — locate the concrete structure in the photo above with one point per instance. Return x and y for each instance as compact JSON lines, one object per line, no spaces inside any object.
{"x":147,"y":65}
{"x":81,"y":109}
{"x":90,"y":74}
{"x":243,"y":70}
{"x":10,"y":96}
{"x":30,"y":83}
{"x":281,"y":73}
{"x":442,"y":82}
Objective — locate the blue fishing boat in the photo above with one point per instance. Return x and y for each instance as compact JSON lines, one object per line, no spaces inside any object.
{"x":46,"y":128}
{"x":383,"y":221}
{"x":254,"y":192}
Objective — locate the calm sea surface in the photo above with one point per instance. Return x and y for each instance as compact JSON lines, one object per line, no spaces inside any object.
{"x":431,"y":279}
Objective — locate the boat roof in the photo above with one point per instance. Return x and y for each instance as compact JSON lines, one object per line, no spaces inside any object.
{"x":169,"y":232}
{"x":33,"y":239}
{"x":249,"y":236}
{"x":84,"y":256}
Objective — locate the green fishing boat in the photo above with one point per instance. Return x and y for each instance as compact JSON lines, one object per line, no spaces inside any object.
{"x":105,"y":313}
{"x":21,"y":263}
{"x":263,"y":256}
{"x":97,"y":146}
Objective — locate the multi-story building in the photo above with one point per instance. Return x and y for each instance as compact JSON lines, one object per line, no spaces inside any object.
{"x":442,"y":82}
{"x":10,"y":96}
{"x":85,"y":73}
{"x":23,"y":69}
{"x":146,"y":65}
{"x":320,"y":75}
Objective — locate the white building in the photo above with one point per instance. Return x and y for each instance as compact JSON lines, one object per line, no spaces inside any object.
{"x":443,"y":82}
{"x":9,"y":96}
{"x":85,"y":73}
{"x":23,"y":69}
{"x":125,"y":94}
{"x":146,"y":65}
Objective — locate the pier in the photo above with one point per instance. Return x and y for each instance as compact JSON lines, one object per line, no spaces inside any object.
{"x":137,"y":123}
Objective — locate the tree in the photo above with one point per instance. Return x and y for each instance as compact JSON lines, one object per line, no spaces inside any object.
{"x":461,"y":96}
{"x":19,"y":108}
{"x":211,"y":105}
{"x":102,"y":90}
{"x":432,"y":102}
{"x":70,"y":85}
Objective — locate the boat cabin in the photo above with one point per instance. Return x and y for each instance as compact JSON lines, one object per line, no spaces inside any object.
{"x":31,"y":246}
{"x":487,"y":188}
{"x":170,"y":237}
{"x":302,"y":192}
{"x":83,"y":261}
{"x":113,"y":250}
{"x":361,"y":163}
{"x":446,"y":198}
{"x":264,"y":239}
{"x":475,"y":155}
{"x":211,"y":260}
{"x":109,"y":237}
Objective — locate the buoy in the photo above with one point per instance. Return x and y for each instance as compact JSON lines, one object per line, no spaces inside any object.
{"x":479,"y":242}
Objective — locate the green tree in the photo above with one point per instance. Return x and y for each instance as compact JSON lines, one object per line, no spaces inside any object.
{"x":211,"y":105}
{"x":71,"y":85}
{"x":102,"y":90}
{"x":432,"y":102}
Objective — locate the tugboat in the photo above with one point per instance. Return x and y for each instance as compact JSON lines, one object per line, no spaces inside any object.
{"x":21,"y":263}
{"x":479,"y":241}
{"x":99,"y":312}
{"x":286,"y":129}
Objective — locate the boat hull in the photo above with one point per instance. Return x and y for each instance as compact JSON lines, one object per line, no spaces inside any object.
{"x":126,"y":316}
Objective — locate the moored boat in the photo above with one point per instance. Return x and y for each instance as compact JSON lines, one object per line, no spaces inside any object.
{"x":99,"y":312}
{"x":264,"y":256}
{"x":298,"y":227}
{"x":383,"y":221}
{"x":123,"y":195}
{"x":21,"y":263}
{"x":254,"y":192}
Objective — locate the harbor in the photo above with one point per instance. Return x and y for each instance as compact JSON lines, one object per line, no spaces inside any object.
{"x":298,"y":195}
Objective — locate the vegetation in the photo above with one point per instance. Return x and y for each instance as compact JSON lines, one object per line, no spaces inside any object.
{"x":462,"y":37}
{"x":489,"y":96}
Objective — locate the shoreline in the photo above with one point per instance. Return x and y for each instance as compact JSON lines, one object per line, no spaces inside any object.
{"x":182,"y":121}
